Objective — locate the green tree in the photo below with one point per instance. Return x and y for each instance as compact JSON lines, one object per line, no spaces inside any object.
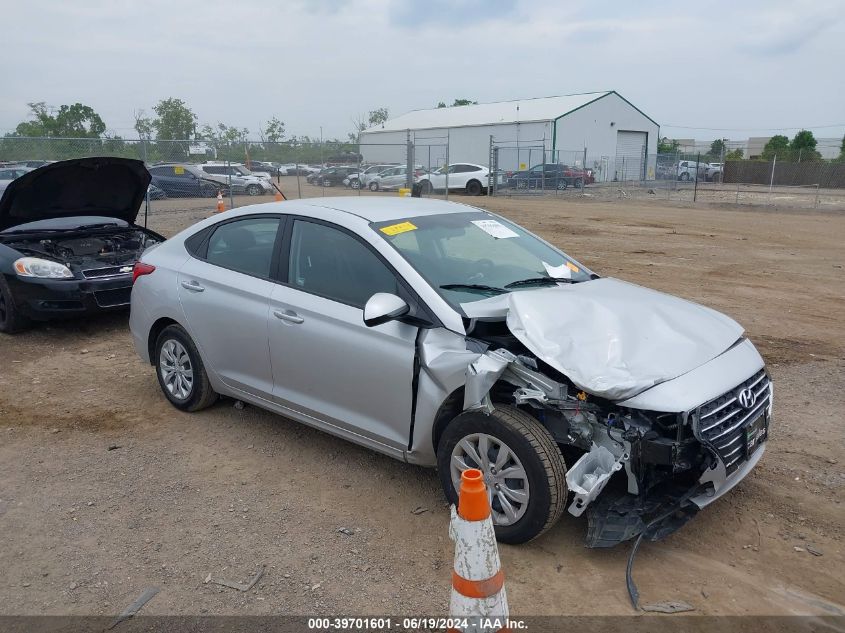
{"x":273,"y":131}
{"x":778,"y":146}
{"x":735,"y":154}
{"x":174,"y":120}
{"x":667,"y":146}
{"x":70,"y":121}
{"x":378,"y":116}
{"x":842,"y":150}
{"x":143,"y":126}
{"x":717,"y":148}
{"x":457,"y":102}
{"x":803,"y":146}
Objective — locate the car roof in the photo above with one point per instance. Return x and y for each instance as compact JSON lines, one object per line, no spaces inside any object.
{"x":376,"y":209}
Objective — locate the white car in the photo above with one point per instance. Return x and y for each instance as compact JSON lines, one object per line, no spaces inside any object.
{"x":464,"y":176}
{"x":392,"y":178}
{"x":362,"y":178}
{"x":688,"y":168}
{"x":250,"y":184}
{"x":713,"y":172}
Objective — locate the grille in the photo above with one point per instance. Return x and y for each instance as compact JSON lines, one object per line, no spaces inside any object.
{"x":722,"y":422}
{"x":113,"y":298}
{"x":108,"y":271}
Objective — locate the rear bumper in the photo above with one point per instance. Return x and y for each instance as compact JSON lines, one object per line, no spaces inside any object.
{"x":44,"y":299}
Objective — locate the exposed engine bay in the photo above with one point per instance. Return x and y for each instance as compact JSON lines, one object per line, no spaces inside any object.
{"x":87,"y":250}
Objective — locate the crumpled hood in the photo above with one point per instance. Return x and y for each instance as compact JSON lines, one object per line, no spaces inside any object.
{"x":612,"y":338}
{"x":99,"y":185}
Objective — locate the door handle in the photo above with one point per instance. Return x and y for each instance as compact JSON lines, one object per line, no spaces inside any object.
{"x":289,"y":317}
{"x":192,"y":285}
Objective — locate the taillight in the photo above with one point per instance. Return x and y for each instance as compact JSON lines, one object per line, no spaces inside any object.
{"x":140,"y":269}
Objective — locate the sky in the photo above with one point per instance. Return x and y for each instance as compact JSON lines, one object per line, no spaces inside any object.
{"x":729,"y":69}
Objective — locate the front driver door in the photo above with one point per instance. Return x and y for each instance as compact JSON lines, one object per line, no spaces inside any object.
{"x":326,"y":363}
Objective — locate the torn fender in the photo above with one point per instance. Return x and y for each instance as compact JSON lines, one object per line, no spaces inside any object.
{"x":611,"y":338}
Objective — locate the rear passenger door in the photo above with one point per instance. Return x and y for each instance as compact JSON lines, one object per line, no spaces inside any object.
{"x":224,"y":289}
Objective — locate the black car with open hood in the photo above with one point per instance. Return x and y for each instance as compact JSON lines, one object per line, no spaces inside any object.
{"x":68,"y":239}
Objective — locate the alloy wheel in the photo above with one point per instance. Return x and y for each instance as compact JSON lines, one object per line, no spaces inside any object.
{"x":177,"y":372}
{"x":504,"y":474}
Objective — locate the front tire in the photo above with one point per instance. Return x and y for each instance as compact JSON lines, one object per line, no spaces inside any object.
{"x":427,"y":188}
{"x":523,"y":469}
{"x":11,"y":320}
{"x":181,"y":374}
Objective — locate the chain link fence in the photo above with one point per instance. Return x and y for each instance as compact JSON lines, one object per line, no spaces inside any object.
{"x":191,"y":174}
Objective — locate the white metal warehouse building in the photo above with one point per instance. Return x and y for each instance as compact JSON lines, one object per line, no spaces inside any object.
{"x":600,"y":130}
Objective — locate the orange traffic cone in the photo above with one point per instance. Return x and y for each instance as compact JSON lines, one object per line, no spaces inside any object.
{"x":221,"y":207}
{"x":478,"y":589}
{"x":279,"y":197}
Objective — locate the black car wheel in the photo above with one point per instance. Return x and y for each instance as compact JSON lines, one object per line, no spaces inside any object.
{"x":373,"y":186}
{"x":354,"y":183}
{"x":561,"y":184}
{"x":180,"y":371}
{"x":254,"y":190}
{"x":11,"y":320}
{"x":427,"y":187}
{"x":578,"y":182}
{"x":474,"y":188}
{"x":327,"y":182}
{"x":522,"y":467}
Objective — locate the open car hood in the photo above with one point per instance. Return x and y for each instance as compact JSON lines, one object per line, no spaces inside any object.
{"x":102,"y":186}
{"x":611,"y":338}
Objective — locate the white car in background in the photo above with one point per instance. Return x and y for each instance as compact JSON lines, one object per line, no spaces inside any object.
{"x":363,"y":177}
{"x":8,"y":174}
{"x":464,"y":176}
{"x":249,"y":184}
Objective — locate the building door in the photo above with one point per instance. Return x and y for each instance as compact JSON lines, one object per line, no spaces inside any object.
{"x":630,"y":155}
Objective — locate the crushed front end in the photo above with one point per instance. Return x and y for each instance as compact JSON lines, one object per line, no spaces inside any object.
{"x":632,"y":470}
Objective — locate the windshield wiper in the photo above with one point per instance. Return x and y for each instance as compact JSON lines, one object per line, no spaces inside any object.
{"x":534,"y":281}
{"x":471,"y":287}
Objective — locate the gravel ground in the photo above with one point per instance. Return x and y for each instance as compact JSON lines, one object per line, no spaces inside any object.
{"x":106,"y":489}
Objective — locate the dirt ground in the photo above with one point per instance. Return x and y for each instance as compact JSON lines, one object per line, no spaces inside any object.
{"x":106,"y":489}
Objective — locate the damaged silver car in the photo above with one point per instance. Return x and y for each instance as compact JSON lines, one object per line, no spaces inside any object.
{"x":445,"y":335}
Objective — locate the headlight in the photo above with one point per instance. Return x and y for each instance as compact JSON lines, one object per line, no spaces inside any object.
{"x":41,"y":268}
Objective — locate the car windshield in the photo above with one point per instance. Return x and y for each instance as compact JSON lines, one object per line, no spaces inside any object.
{"x":243,"y":171}
{"x":471,"y":256}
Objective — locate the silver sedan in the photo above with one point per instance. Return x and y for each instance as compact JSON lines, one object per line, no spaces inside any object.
{"x":445,"y":335}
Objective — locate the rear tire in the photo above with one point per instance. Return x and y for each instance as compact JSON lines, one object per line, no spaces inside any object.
{"x":561,"y":185}
{"x":187,"y":387}
{"x":373,"y":186}
{"x":532,"y":448}
{"x":11,"y":320}
{"x":254,"y":190}
{"x":474,"y":188}
{"x":578,"y":182}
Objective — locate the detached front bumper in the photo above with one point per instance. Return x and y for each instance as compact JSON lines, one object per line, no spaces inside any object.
{"x":44,"y":299}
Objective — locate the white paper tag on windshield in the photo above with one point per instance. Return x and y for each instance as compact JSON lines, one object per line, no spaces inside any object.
{"x":494,"y":228}
{"x":558,"y":272}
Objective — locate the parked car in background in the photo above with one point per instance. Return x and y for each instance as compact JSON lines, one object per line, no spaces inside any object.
{"x":549,"y":176}
{"x":241,"y":183}
{"x":392,"y":178}
{"x":32,"y":164}
{"x":68,"y":239}
{"x":713,"y":172}
{"x":687,"y":170}
{"x":185,"y":180}
{"x":261,"y":167}
{"x":447,"y":336}
{"x":358,"y":179}
{"x":155,"y":193}
{"x":8,"y":174}
{"x":333,"y":176}
{"x":467,"y":177}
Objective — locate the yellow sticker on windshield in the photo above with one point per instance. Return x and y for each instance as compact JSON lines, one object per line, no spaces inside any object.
{"x":573,"y":267}
{"x":178,"y":170}
{"x":396,"y":229}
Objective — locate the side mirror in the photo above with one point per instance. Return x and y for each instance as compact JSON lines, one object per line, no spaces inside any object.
{"x":383,"y":307}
